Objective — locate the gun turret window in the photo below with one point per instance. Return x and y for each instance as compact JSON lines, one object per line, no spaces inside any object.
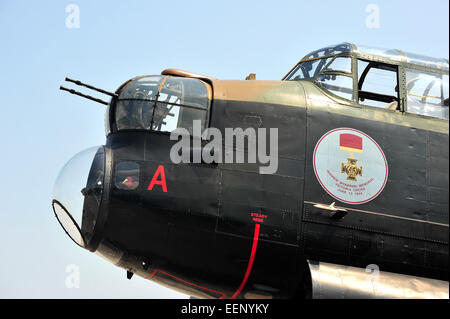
{"x":158,"y":103}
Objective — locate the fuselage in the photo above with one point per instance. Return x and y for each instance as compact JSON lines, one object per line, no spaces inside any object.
{"x":203,"y":223}
{"x":223,"y":230}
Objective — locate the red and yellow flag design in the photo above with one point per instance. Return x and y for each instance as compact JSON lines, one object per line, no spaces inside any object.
{"x":351,"y":143}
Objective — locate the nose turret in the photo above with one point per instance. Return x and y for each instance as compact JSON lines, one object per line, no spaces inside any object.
{"x":77,"y":194}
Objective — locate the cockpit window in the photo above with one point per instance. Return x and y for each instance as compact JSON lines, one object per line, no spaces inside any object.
{"x":340,"y":64}
{"x":337,"y":77}
{"x":376,"y":77}
{"x":331,"y":50}
{"x":337,"y":84}
{"x":427,"y":93}
{"x":331,"y":73}
{"x":311,"y":65}
{"x":308,"y":69}
{"x":162,"y":104}
{"x":378,"y":84}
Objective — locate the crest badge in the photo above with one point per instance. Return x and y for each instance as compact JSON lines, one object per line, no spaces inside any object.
{"x":350,"y":166}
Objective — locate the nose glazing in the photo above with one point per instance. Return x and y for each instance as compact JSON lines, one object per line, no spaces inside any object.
{"x":78,"y":192}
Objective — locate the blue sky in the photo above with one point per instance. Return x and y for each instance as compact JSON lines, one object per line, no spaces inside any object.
{"x":43,"y":127}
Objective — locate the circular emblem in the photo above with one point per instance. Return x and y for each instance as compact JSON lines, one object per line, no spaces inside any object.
{"x":350,"y":166}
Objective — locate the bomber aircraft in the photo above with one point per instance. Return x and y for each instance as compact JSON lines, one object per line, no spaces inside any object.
{"x":331,"y":183}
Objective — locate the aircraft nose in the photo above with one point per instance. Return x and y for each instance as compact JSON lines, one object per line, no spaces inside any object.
{"x":77,"y":194}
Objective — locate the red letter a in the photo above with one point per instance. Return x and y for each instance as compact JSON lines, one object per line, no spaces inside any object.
{"x":161,"y":182}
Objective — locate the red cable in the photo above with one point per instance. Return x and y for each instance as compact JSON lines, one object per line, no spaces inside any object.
{"x":250,"y":262}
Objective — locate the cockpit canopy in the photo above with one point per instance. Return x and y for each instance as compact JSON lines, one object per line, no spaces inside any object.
{"x":379,"y":78}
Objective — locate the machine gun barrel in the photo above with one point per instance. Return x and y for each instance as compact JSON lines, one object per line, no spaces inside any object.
{"x":91,"y":87}
{"x":71,"y":91}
